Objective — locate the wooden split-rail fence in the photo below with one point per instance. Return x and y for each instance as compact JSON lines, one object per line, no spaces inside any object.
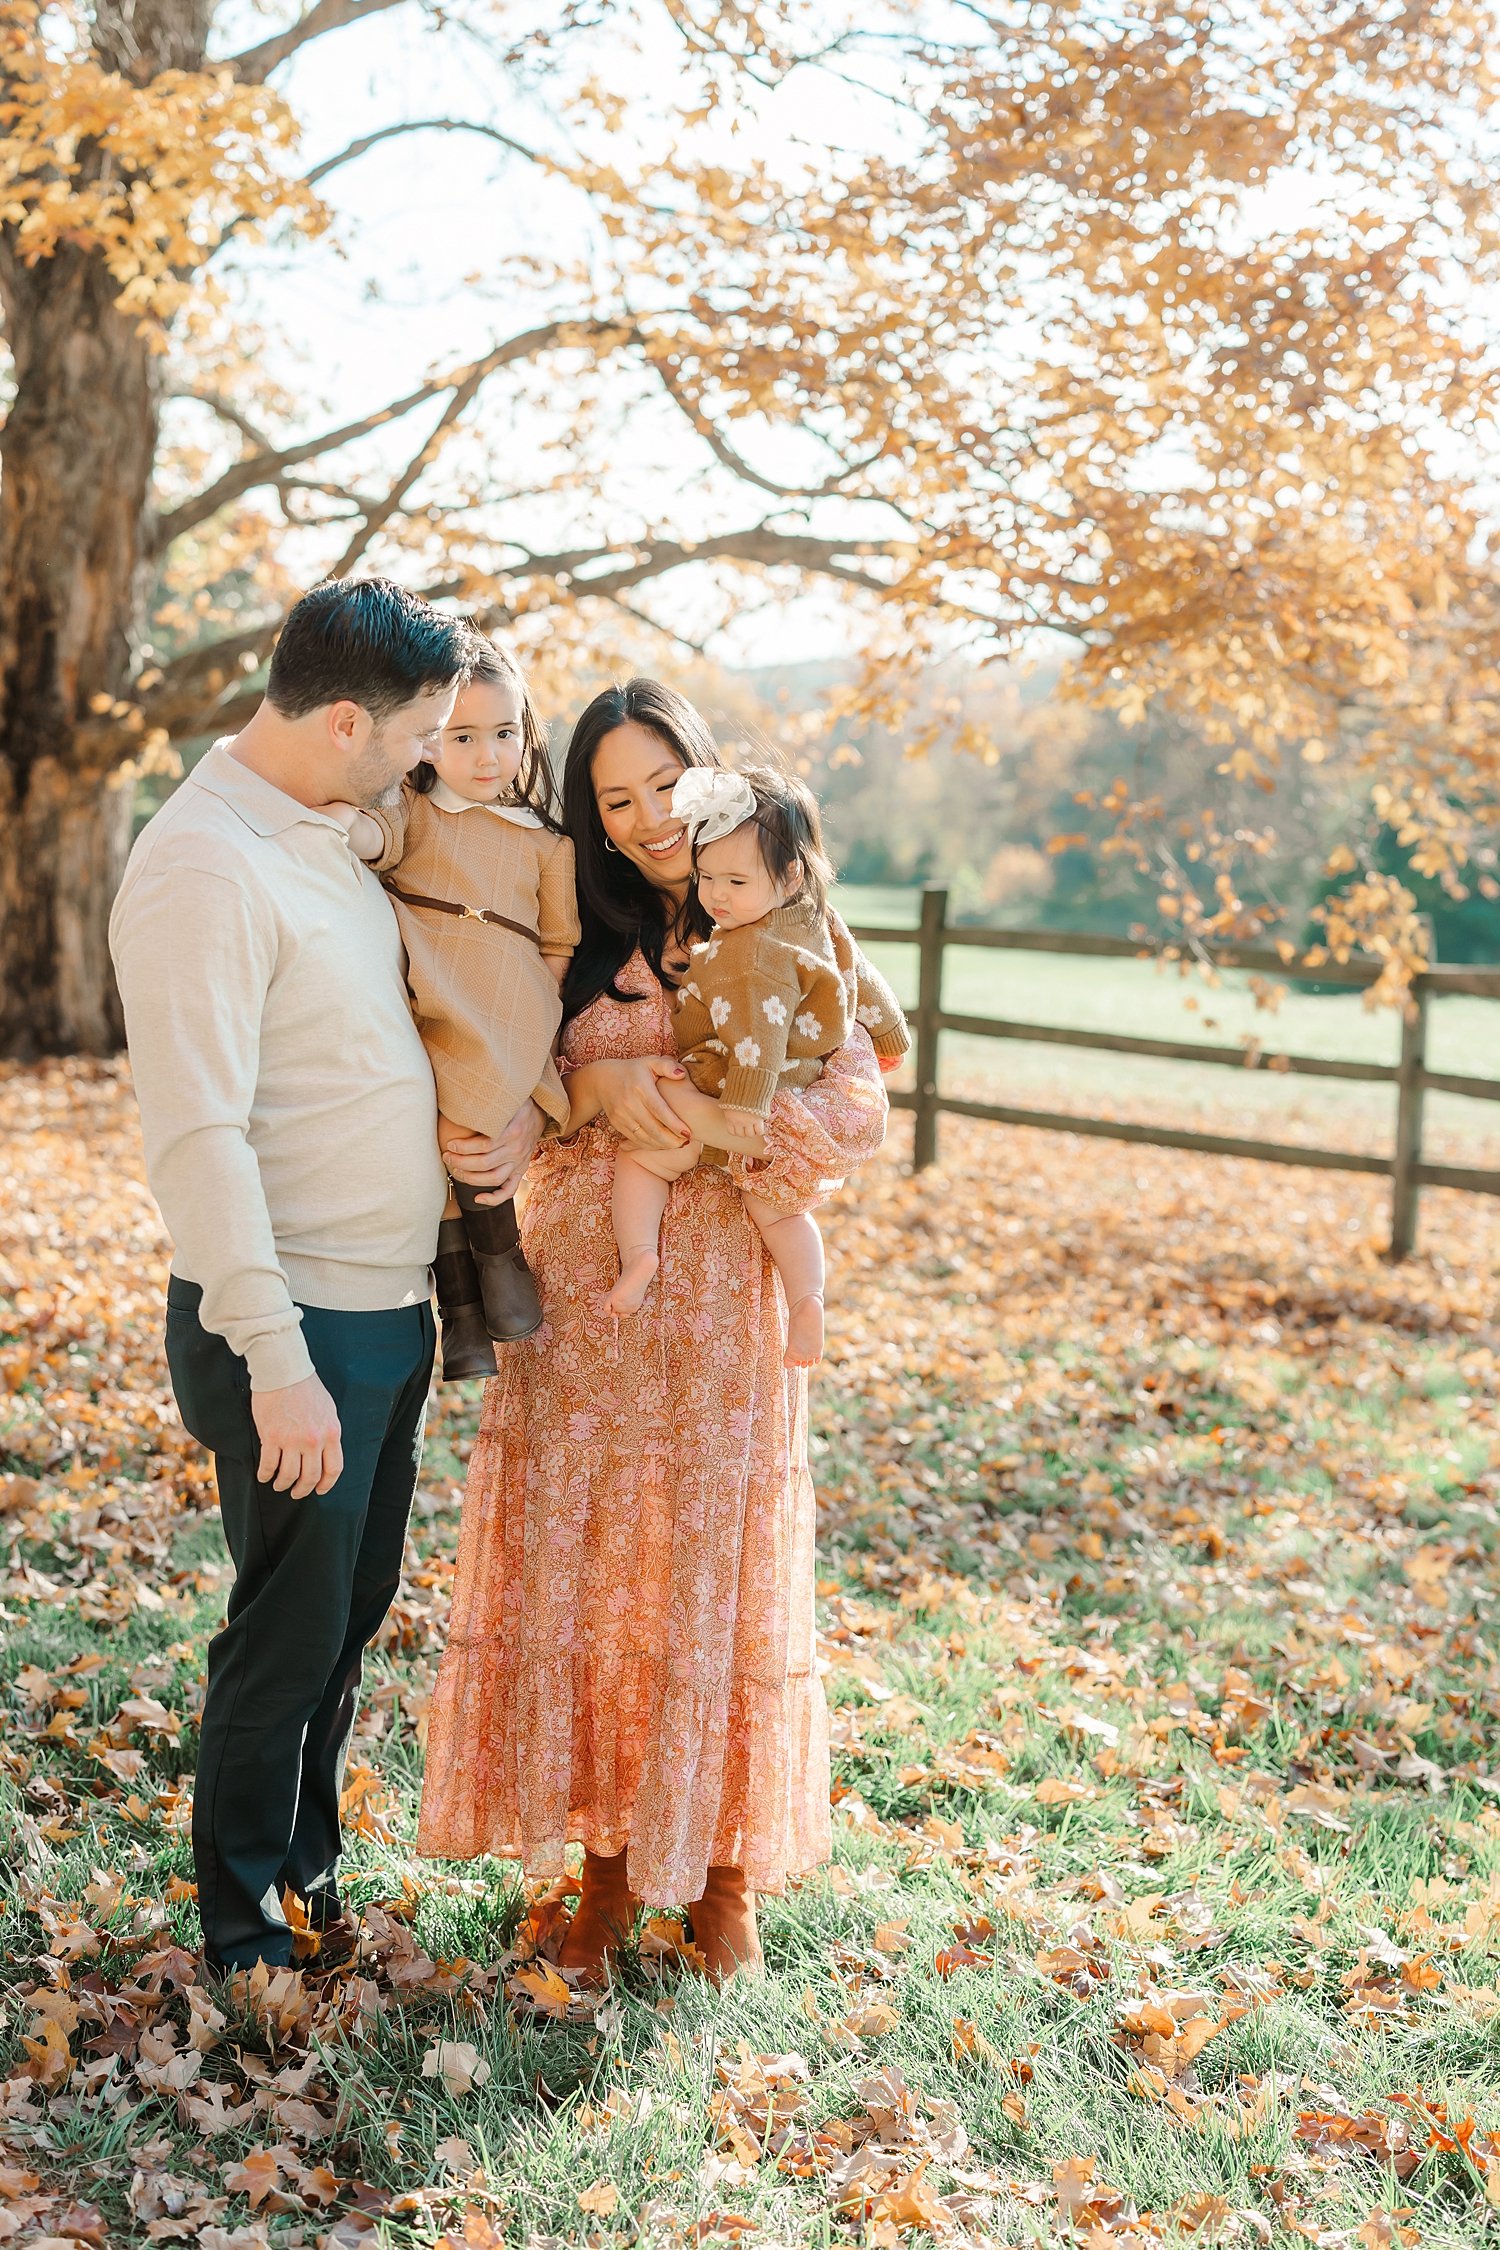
{"x":1406,"y":1167}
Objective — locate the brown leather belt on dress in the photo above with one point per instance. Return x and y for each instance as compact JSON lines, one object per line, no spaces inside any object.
{"x":469,"y":913}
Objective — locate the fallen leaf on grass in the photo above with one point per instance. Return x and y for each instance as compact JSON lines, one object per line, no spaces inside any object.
{"x":1328,"y":1807}
{"x":50,"y":2058}
{"x":1055,"y":1790}
{"x":1173,"y":2028}
{"x":730,"y":2224}
{"x":1386,"y":2138}
{"x":971,"y":2045}
{"x":1383,"y":2230}
{"x":540,"y":1984}
{"x":872,"y":2021}
{"x":256,"y":2179}
{"x":460,"y":2066}
{"x":1069,"y":1965}
{"x":956,"y":1957}
{"x":601,"y":2201}
{"x":212,"y":2108}
{"x":911,"y":2202}
{"x":479,"y":2233}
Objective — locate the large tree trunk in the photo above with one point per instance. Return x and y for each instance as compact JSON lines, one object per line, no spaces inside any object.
{"x":76,"y":462}
{"x":77,"y":454}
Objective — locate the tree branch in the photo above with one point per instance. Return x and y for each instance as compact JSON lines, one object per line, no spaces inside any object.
{"x":254,"y":65}
{"x":227,"y":413}
{"x":268,"y":467}
{"x":368,"y":141}
{"x":190,"y":693}
{"x":724,"y":452}
{"x":380,"y":515}
{"x":760,"y":543}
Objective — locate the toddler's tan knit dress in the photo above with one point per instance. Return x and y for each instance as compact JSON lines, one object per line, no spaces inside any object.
{"x":484,"y":999}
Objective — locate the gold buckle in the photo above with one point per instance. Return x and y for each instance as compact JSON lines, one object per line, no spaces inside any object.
{"x":473,"y":913}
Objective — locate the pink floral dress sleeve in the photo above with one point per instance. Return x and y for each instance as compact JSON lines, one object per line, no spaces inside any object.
{"x":815,"y":1137}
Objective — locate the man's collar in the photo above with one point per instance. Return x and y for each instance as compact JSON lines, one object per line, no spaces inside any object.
{"x":449,"y":800}
{"x":258,"y":802}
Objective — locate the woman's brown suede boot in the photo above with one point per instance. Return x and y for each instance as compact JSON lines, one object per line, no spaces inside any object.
{"x":467,"y":1350}
{"x":604,"y":1916}
{"x":724,"y":1927}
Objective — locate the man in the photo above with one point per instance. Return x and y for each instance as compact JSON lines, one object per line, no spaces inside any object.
{"x":291,"y":1140}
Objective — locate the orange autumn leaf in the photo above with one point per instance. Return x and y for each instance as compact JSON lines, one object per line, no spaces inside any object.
{"x":540,"y":1984}
{"x":910,"y":2202}
{"x":256,"y":2178}
{"x":952,"y":1958}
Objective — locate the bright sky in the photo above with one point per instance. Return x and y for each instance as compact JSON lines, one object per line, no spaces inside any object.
{"x":365,"y":314}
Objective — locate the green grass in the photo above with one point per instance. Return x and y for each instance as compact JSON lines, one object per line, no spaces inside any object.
{"x":1158,"y":1545}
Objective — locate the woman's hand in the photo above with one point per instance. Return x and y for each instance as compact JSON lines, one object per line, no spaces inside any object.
{"x":495,"y":1165}
{"x":626,"y":1093}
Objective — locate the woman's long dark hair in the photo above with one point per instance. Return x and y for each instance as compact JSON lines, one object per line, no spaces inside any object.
{"x":618,"y":909}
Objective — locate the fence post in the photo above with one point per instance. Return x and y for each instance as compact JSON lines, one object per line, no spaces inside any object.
{"x":929,"y":1006}
{"x":1407,"y":1154}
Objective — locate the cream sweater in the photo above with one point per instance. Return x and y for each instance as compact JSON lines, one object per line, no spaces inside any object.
{"x":289,"y":1112}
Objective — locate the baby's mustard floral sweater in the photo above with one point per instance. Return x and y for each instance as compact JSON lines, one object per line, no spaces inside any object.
{"x":762,"y":1007}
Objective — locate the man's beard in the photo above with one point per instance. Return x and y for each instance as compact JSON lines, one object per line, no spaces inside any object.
{"x":372,"y":785}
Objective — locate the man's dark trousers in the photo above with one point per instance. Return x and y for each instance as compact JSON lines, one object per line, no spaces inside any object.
{"x":313,"y":1581}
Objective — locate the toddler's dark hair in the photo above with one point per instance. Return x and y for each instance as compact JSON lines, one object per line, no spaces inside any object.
{"x":487,"y":659}
{"x":789,"y":830}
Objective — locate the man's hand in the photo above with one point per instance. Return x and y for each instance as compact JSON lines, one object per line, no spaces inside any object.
{"x":301,"y":1445}
{"x":495,"y":1165}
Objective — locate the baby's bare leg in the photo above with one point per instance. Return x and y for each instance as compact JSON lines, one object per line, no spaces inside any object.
{"x":643,"y":1181}
{"x":796,"y":1249}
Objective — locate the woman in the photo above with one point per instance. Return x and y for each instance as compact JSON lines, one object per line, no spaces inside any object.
{"x":631,"y":1660}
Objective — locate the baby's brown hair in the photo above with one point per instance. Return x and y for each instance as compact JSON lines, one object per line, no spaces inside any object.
{"x":789,"y":830}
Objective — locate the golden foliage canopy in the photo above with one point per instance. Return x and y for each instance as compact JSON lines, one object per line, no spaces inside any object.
{"x":1167,"y":333}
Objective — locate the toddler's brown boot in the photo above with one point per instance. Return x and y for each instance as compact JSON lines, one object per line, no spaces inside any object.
{"x":467,"y":1350}
{"x":512,"y":1308}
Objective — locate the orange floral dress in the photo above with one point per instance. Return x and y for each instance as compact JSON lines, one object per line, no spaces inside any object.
{"x":631,"y":1660}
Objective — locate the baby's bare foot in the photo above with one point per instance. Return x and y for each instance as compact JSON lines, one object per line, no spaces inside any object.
{"x":637,"y":1272}
{"x":804,"y":1333}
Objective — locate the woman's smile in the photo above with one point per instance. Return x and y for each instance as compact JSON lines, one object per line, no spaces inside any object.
{"x":634,"y":773}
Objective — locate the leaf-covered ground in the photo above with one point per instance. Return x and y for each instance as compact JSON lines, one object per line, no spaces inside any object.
{"x":1159,"y":1536}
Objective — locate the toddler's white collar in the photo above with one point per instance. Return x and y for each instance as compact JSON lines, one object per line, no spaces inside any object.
{"x":449,"y":800}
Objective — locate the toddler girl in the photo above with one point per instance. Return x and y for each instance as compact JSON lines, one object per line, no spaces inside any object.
{"x":482,"y":880}
{"x":765,"y":999}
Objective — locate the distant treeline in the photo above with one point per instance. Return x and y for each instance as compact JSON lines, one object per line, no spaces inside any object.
{"x":985,"y":824}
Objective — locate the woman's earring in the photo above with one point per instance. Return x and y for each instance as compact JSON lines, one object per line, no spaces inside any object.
{"x":609,"y":847}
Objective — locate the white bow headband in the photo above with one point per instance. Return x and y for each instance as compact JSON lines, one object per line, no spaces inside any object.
{"x":713,"y":802}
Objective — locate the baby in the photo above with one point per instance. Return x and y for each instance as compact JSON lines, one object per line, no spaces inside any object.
{"x":765,"y":1000}
{"x":482,"y":880}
